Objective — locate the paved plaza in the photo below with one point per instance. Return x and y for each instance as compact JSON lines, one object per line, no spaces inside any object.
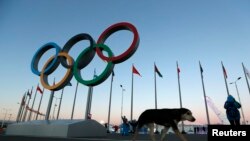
{"x":109,"y":137}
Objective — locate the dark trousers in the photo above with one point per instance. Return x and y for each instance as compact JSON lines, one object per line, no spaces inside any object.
{"x":234,"y":122}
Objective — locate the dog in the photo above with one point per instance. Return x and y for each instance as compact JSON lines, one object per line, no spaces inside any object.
{"x":165,"y":117}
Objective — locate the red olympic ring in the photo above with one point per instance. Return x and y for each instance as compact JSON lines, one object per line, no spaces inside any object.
{"x":129,"y":52}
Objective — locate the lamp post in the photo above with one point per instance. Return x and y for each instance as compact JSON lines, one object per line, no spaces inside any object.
{"x":235,"y":83}
{"x":54,"y":107}
{"x":9,"y":117}
{"x":122,"y":101}
{"x":6,"y":111}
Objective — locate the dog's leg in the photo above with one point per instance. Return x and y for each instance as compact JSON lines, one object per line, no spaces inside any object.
{"x":151,"y":131}
{"x":179,"y":134}
{"x":164,"y":132}
{"x":136,"y":133}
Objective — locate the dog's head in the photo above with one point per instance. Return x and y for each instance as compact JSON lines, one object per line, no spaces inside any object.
{"x":186,"y":114}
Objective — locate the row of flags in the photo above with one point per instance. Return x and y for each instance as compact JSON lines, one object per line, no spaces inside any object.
{"x":24,"y":106}
{"x":135,"y":71}
{"x":29,"y":93}
{"x":156,"y":70}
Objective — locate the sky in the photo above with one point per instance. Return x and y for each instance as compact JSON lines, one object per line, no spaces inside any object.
{"x":211,"y":32}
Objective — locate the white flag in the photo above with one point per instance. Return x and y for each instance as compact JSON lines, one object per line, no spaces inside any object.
{"x":247,"y":73}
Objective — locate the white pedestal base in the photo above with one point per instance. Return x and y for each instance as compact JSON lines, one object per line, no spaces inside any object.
{"x":58,"y":128}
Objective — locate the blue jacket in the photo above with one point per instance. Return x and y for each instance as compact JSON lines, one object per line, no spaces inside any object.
{"x":232,"y":106}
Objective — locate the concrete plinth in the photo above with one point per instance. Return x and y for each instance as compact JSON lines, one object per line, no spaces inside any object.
{"x":58,"y":128}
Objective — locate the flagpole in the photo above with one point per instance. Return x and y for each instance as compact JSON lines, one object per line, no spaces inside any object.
{"x":87,"y":111}
{"x":155,"y":88}
{"x":182,"y":123}
{"x":110,"y":98}
{"x":245,"y":73}
{"x":20,"y":108}
{"x":59,"y":107}
{"x":25,"y":110}
{"x":73,"y":108}
{"x":204,"y":94}
{"x":122,"y":102}
{"x":32,"y":104}
{"x":132,"y":89}
{"x":23,"y":107}
{"x":50,"y":103}
{"x":240,"y":102}
{"x":39,"y":104}
{"x":131,"y":112}
{"x":224,"y":74}
{"x":89,"y":99}
{"x":155,"y":96}
{"x":27,"y":106}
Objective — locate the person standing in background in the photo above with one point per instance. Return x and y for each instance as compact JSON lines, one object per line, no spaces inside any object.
{"x":233,"y":114}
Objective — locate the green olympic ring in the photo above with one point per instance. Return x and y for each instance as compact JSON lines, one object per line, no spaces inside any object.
{"x":98,"y":79}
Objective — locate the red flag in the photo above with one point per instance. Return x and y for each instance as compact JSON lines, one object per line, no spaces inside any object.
{"x":135,"y":71}
{"x":224,"y":71}
{"x":39,"y":89}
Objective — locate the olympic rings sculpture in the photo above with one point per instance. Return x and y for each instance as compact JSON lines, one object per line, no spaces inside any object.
{"x":86,"y":56}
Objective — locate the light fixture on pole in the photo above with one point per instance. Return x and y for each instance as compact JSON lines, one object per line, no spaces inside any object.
{"x":6,"y":111}
{"x":122,"y":101}
{"x":54,"y":107}
{"x":235,"y":83}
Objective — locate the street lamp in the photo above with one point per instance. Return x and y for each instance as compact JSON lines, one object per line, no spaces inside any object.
{"x":55,"y":107}
{"x":122,"y":101}
{"x":6,"y":111}
{"x":9,"y":117}
{"x":235,"y":83}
